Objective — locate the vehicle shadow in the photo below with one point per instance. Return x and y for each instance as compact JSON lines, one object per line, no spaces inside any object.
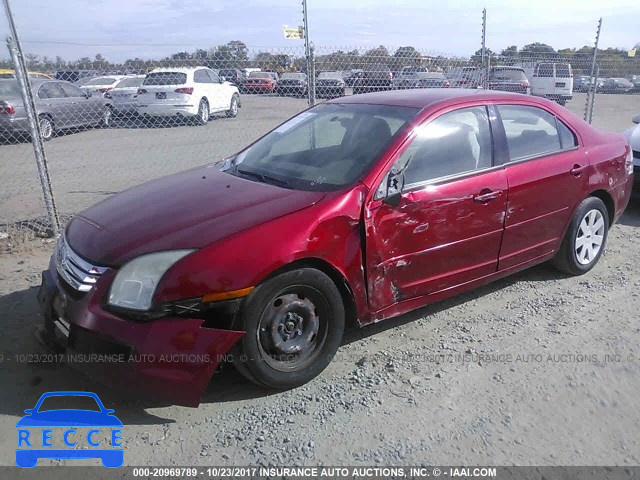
{"x":631,"y":216}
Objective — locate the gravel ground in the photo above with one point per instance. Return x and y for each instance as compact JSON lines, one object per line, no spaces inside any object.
{"x":536,"y":369}
{"x":86,"y":166}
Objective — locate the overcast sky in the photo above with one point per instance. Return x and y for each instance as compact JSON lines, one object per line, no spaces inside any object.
{"x":120,"y":29}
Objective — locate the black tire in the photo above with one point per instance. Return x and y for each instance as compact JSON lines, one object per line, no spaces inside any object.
{"x":568,"y":258}
{"x":202,"y":117}
{"x":47,"y":127}
{"x":233,"y":107}
{"x":294,"y":324}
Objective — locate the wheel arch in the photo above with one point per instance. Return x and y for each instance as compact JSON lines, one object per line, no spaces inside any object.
{"x":607,"y":199}
{"x":334,"y":274}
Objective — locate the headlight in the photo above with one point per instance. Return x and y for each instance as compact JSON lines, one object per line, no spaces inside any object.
{"x":136,"y":282}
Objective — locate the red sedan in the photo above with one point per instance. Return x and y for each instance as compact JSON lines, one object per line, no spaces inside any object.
{"x":361,"y":208}
{"x":260,"y":82}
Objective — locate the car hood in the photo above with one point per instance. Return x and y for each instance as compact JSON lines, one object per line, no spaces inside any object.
{"x":186,"y":210}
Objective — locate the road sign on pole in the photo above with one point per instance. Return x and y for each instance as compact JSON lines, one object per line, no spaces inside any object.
{"x":296,"y":33}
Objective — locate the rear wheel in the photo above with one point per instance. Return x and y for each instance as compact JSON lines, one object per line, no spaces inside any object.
{"x":233,"y":108}
{"x":46,"y":127}
{"x":585,"y":239}
{"x":294,"y":324}
{"x":202,"y":116}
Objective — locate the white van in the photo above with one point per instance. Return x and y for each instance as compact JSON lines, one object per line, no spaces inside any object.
{"x":551,"y":80}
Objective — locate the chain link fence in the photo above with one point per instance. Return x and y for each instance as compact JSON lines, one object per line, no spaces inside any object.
{"x":109,"y":126}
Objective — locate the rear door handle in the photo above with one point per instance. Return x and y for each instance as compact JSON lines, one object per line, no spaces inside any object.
{"x":577,"y":170}
{"x":486,"y":195}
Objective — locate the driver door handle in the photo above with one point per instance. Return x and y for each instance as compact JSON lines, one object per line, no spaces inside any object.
{"x":486,"y":195}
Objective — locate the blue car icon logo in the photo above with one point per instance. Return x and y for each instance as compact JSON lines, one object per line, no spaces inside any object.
{"x":69,"y":433}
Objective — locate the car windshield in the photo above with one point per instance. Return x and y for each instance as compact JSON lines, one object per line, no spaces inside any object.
{"x":165,"y":78}
{"x":66,"y":402}
{"x":509,"y":75}
{"x":259,"y":75}
{"x":334,"y":75}
{"x":324,"y":148}
{"x":130,"y":82}
{"x":292,"y":76}
{"x":102,"y":81}
{"x":9,"y":88}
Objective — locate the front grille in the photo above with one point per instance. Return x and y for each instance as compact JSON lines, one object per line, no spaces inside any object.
{"x":77,"y":272}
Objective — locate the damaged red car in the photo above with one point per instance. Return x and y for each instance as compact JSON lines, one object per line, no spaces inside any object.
{"x":358,"y":209}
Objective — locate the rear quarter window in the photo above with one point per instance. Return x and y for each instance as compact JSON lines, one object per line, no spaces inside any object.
{"x":531,"y":131}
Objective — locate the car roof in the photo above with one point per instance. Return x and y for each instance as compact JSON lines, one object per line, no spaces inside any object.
{"x":177,"y":69}
{"x":422,"y":98}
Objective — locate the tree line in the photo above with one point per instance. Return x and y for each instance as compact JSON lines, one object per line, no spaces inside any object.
{"x":236,"y":54}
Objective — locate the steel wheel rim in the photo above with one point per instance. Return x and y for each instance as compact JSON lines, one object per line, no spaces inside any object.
{"x":590,"y":237}
{"x":204,"y":114}
{"x":46,"y":129}
{"x":293,"y":328}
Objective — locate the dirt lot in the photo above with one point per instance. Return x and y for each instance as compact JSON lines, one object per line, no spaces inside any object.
{"x":537,"y":369}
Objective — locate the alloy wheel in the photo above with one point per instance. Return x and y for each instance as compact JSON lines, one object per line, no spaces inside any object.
{"x":590,"y":237}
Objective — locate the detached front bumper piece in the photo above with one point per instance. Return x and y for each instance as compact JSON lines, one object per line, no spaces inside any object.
{"x":171,"y":358}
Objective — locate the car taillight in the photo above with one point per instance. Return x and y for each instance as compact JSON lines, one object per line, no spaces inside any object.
{"x":7,"y":109}
{"x":141,"y":91}
{"x":525,"y":84}
{"x":104,"y":90}
{"x":628,"y":162}
{"x":187,"y":90}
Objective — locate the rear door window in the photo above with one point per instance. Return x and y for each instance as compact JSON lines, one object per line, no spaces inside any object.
{"x":563,"y":70}
{"x":202,"y":76}
{"x":544,"y":70}
{"x":531,"y":131}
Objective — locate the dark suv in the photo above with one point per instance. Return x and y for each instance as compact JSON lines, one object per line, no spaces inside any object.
{"x":233,"y":75}
{"x":375,"y":78}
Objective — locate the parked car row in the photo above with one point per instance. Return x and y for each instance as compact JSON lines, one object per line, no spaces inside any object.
{"x":193,"y":94}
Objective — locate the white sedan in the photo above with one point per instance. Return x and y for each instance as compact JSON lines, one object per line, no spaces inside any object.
{"x":633,"y":137}
{"x":193,"y":93}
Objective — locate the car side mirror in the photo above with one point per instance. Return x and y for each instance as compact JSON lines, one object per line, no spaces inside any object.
{"x":636,"y":119}
{"x":87,"y":94}
{"x":395,"y":184}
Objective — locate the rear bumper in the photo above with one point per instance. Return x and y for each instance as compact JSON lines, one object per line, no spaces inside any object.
{"x":165,"y":110}
{"x":259,"y":88}
{"x":11,"y":124}
{"x":172,"y":358}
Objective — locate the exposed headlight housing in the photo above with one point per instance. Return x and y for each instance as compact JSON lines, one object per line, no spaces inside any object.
{"x":136,"y":281}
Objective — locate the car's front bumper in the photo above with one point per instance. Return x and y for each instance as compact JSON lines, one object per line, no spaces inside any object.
{"x":171,"y":358}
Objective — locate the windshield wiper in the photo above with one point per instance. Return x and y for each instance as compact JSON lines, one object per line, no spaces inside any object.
{"x":262,"y":177}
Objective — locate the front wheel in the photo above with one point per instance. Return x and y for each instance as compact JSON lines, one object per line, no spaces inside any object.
{"x":233,"y":108}
{"x":585,"y":239}
{"x":294,"y":324}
